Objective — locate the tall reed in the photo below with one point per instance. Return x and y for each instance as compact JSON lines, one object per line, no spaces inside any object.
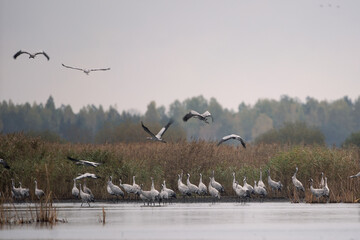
{"x":31,"y":158}
{"x":44,"y":212}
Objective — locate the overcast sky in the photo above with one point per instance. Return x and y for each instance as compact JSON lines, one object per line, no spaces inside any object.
{"x":236,"y":51}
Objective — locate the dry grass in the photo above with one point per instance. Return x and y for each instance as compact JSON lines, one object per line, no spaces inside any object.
{"x":31,"y":158}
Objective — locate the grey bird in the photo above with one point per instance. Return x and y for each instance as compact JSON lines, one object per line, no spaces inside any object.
{"x":87,"y":175}
{"x":260,"y":182}
{"x":114,"y":189}
{"x":15,"y":192}
{"x":202,"y":186}
{"x":86,"y":71}
{"x":158,"y":136}
{"x":31,"y":55}
{"x":183,"y":189}
{"x":84,"y":162}
{"x":215,"y":184}
{"x":25,"y":192}
{"x":356,"y":175}
{"x":212,"y":190}
{"x":298,"y":185}
{"x":233,"y":136}
{"x":192,"y":187}
{"x":259,"y":190}
{"x":88,"y":191}
{"x":75,"y":191}
{"x":326,"y":188}
{"x":317,"y":192}
{"x":273,"y":184}
{"x":85,"y":197}
{"x":38,"y":192}
{"x":135,"y":186}
{"x":170,"y":192}
{"x":194,"y":114}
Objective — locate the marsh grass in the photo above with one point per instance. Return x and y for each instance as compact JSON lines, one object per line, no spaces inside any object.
{"x":31,"y":158}
{"x":43,"y":212}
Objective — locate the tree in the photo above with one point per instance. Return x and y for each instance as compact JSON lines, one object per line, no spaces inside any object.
{"x":339,"y":122}
{"x":152,"y":114}
{"x":293,"y":133}
{"x":262,"y":124}
{"x":352,"y":140}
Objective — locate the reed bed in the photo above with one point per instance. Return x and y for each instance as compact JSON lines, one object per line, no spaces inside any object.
{"x":32,"y":158}
{"x":42,"y":212}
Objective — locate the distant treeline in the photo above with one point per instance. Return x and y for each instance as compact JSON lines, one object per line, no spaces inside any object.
{"x":336,"y":120}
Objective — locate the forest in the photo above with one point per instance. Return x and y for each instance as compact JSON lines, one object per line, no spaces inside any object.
{"x":330,"y":122}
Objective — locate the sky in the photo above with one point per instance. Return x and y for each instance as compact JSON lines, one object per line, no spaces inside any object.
{"x":162,"y":51}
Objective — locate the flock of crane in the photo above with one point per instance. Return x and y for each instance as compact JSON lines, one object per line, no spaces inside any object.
{"x":214,"y":188}
{"x":153,"y":196}
{"x":33,"y":55}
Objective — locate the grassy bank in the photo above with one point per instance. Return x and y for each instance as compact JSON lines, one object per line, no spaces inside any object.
{"x":32,"y":158}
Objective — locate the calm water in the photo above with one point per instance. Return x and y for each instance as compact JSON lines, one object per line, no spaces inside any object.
{"x":198,"y":221}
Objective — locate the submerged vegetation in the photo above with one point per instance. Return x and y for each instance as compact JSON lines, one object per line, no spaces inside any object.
{"x":32,"y":158}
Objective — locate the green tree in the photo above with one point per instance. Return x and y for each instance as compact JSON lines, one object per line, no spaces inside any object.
{"x":152,"y":115}
{"x":352,"y":140}
{"x":292,"y":133}
{"x":262,"y":124}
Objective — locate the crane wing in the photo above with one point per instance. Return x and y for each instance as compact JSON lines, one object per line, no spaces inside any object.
{"x":43,"y":53}
{"x":93,"y":164}
{"x":242,"y":142}
{"x":73,"y":159}
{"x":190,"y":115}
{"x":221,"y":141}
{"x":356,"y":175}
{"x":87,"y":175}
{"x":100,"y":69}
{"x":233,"y":136}
{"x":163,"y":130}
{"x":147,"y":130}
{"x":224,"y":139}
{"x":19,"y":53}
{"x":208,"y":114}
{"x":72,"y":67}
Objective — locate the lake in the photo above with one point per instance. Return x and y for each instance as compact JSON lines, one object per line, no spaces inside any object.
{"x":225,"y":220}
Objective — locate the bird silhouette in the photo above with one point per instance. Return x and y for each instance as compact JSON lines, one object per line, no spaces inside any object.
{"x":31,"y":55}
{"x":86,"y":71}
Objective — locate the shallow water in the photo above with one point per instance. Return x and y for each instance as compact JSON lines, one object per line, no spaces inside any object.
{"x":266,"y":220}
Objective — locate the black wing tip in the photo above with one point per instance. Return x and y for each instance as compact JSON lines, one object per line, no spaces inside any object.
{"x":187,"y":116}
{"x":46,"y":55}
{"x":17,"y":54}
{"x":243,"y":143}
{"x":72,"y":159}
